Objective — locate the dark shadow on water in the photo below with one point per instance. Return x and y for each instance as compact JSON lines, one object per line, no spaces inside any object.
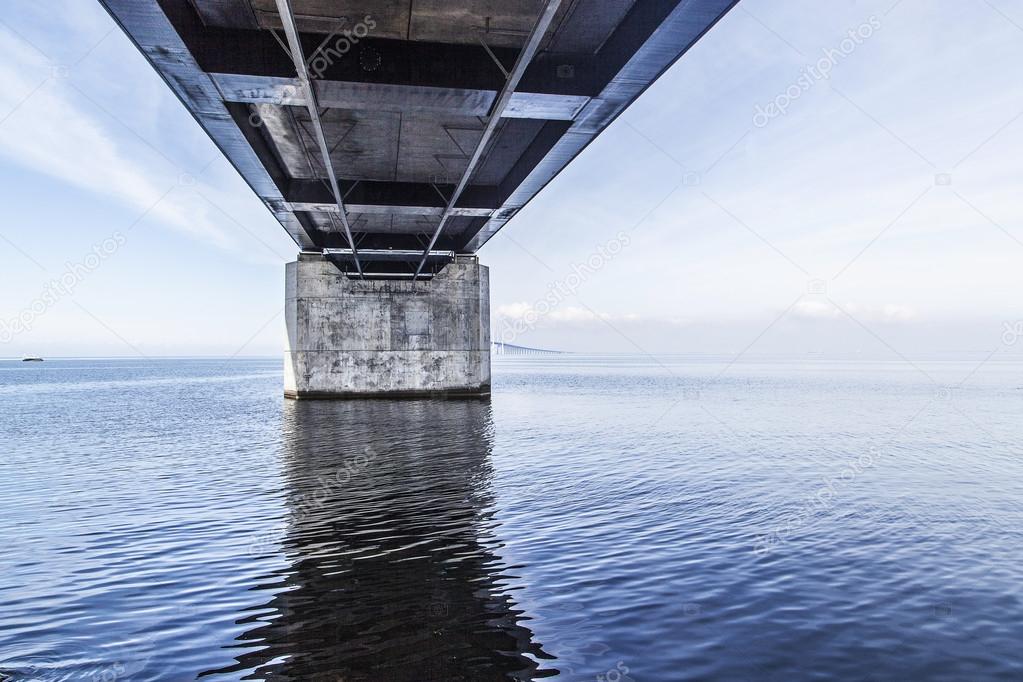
{"x":392,"y":572}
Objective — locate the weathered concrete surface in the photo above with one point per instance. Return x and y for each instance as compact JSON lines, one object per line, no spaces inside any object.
{"x":356,"y":338}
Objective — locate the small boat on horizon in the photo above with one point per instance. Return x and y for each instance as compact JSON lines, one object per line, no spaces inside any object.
{"x":32,"y":360}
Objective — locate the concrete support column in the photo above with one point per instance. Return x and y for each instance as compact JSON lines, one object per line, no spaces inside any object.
{"x":350,"y":338}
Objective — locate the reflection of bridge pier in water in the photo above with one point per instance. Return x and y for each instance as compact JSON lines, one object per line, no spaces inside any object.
{"x":391,"y":574}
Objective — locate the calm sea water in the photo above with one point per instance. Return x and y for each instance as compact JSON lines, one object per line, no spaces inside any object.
{"x":597,"y":519}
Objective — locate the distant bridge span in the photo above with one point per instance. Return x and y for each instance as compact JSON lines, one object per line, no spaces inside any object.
{"x":393,"y":138}
{"x":501,"y":348}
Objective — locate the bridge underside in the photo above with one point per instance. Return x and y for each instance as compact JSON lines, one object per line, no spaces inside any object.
{"x":392,"y":139}
{"x":439,"y":119}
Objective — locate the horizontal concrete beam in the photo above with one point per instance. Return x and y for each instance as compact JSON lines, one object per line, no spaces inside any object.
{"x":356,"y":96}
{"x":374,"y":196}
{"x":388,"y":255}
{"x":435,"y":211}
{"x":380,"y":241}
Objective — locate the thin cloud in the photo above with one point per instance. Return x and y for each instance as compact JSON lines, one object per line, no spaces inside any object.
{"x":571,"y":316}
{"x":816,"y":311}
{"x":53,"y":130}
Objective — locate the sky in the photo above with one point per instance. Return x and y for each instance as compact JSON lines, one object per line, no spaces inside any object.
{"x":783,"y":189}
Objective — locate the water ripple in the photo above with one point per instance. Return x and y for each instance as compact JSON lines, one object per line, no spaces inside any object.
{"x":601,"y":518}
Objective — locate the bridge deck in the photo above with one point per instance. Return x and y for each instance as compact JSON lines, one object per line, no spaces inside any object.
{"x":414,"y":101}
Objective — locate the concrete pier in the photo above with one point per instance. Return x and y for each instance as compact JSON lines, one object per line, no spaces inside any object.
{"x":351,"y":338}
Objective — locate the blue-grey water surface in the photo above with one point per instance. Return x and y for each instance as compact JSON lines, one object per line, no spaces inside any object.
{"x":599,"y":518}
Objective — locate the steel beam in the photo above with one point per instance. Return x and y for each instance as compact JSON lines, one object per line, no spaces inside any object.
{"x":522,"y":62}
{"x":399,"y":198}
{"x":158,"y":30}
{"x":652,"y":37}
{"x":298,"y":57}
